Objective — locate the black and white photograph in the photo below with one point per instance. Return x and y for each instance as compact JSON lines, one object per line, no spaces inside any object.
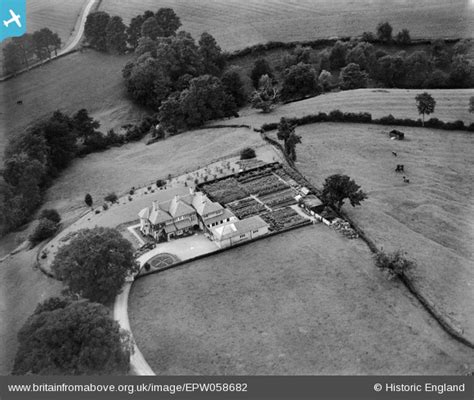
{"x":237,"y":188}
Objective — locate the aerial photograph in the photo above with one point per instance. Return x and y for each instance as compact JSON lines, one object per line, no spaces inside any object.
{"x":237,"y":188}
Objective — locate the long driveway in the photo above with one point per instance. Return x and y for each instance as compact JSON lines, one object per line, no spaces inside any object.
{"x":80,"y":31}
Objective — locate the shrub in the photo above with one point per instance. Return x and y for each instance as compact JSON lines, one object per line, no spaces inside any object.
{"x":160,"y":183}
{"x":394,"y":264}
{"x":336,"y":115}
{"x":52,"y":215}
{"x":88,"y":200}
{"x":112,"y":197}
{"x":105,"y":206}
{"x":247,"y":153}
{"x":44,"y":230}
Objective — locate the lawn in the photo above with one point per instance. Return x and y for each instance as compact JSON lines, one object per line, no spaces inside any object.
{"x":88,"y":80}
{"x":451,"y":105}
{"x":430,"y":218}
{"x":237,"y":24}
{"x":305,"y":302}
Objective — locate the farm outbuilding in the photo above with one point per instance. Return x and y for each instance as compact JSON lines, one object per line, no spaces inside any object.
{"x":395,"y":134}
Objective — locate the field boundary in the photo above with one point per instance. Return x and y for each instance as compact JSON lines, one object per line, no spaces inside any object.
{"x":448,"y":327}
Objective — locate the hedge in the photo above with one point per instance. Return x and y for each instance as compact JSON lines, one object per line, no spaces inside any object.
{"x":366,"y":118}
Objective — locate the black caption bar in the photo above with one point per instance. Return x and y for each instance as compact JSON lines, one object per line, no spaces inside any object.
{"x":240,"y":387}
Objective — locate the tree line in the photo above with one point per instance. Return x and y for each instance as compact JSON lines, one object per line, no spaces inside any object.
{"x":20,"y":52}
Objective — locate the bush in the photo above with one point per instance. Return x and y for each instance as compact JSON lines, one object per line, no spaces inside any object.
{"x":247,"y":153}
{"x":394,"y":264}
{"x":88,"y":200}
{"x":160,"y":183}
{"x":112,"y":197}
{"x":52,"y":215}
{"x":44,"y":230}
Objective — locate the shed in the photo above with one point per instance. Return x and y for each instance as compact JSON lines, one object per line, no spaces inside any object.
{"x":395,"y":134}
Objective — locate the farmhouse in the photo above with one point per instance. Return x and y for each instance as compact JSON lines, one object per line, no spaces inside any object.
{"x":239,"y":231}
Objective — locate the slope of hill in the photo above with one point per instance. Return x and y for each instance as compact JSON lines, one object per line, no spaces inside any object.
{"x":237,"y":24}
{"x":451,"y":105}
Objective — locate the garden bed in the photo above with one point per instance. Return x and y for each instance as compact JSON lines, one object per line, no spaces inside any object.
{"x":283,"y":218}
{"x":224,"y":191}
{"x":279,"y":199}
{"x":246,"y":207}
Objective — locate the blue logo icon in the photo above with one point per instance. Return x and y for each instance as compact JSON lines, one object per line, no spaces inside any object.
{"x":12,"y":18}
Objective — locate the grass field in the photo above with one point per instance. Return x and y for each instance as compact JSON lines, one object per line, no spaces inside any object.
{"x":89,"y":80}
{"x":136,"y":164}
{"x":305,"y":302}
{"x":21,"y":288}
{"x":451,"y":105}
{"x":59,"y":16}
{"x":237,"y":24}
{"x":430,"y":218}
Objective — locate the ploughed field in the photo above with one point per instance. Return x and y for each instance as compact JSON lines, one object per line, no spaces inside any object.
{"x":308,"y":301}
{"x":236,"y":24}
{"x":430,"y":218}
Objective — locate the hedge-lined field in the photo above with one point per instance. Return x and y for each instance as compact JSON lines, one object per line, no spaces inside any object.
{"x":237,"y":24}
{"x":428,"y":217}
{"x":306,"y":302}
{"x":451,"y":105}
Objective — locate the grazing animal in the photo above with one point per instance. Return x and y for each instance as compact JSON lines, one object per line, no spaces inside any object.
{"x":19,"y":102}
{"x":395,"y":154}
{"x":406,"y":180}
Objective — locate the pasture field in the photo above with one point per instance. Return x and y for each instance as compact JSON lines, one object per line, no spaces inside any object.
{"x":61,"y":16}
{"x":305,"y":302}
{"x":236,"y":24}
{"x":87,"y":79}
{"x":430,"y":218}
{"x":451,"y":105}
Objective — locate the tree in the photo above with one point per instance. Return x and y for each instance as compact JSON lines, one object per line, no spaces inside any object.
{"x":403,"y":37}
{"x":394,"y":264}
{"x":384,"y":32}
{"x":266,"y":96}
{"x":390,"y":70}
{"x":260,"y":68}
{"x":352,"y":77}
{"x":425,"y":104}
{"x":247,"y":153}
{"x":204,"y":100}
{"x":325,"y":80}
{"x":51,"y":214}
{"x":437,"y":80}
{"x":337,"y":56}
{"x":171,"y":115}
{"x":88,"y":200}
{"x":168,"y":21}
{"x":418,"y":68}
{"x":471,"y":104}
{"x":286,"y":133}
{"x":64,"y":337}
{"x":44,"y":230}
{"x":95,"y":263}
{"x":234,"y":86}
{"x":84,"y":125}
{"x":338,"y":187}
{"x":44,"y":42}
{"x":151,"y":28}
{"x":95,"y":30}
{"x":300,"y":80}
{"x":297,"y":55}
{"x":212,"y":57}
{"x":362,"y":54}
{"x":462,"y":72}
{"x":116,"y":36}
{"x":134,"y":30}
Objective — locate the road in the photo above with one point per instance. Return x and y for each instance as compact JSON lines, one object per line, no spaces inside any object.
{"x":78,"y":36}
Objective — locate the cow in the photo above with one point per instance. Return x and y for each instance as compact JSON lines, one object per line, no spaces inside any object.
{"x":19,"y":102}
{"x":395,"y":154}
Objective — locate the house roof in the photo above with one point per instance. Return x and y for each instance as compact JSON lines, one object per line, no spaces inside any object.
{"x":178,"y":226}
{"x":226,"y":213}
{"x":178,"y":208}
{"x":312,"y":201}
{"x":145,"y":213}
{"x":158,"y":216}
{"x":203,"y":205}
{"x":239,"y":227}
